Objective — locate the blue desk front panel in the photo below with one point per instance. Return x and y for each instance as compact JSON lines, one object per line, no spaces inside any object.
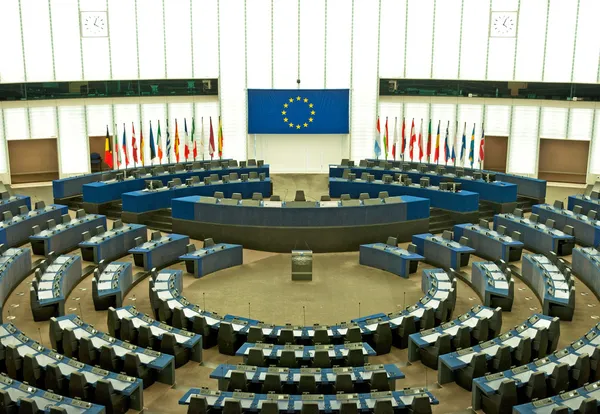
{"x":486,"y":242}
{"x":586,"y":231}
{"x":389,"y":258}
{"x":213,"y":258}
{"x":585,"y":202}
{"x":105,"y":192}
{"x":72,"y":186}
{"x":492,"y":285}
{"x":65,"y":237}
{"x":462,"y":201}
{"x":302,"y":352}
{"x":13,"y":203}
{"x":157,"y":253}
{"x":15,"y":265}
{"x":586,"y":265}
{"x":144,"y":200}
{"x":441,"y":252}
{"x":112,"y":244}
{"x":17,"y":231}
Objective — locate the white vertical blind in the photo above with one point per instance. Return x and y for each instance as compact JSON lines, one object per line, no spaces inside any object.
{"x":151,"y":42}
{"x":497,"y":120}
{"x":206,"y":108}
{"x":36,"y":36}
{"x":562,"y":21}
{"x":446,"y":39}
{"x":285,"y":43}
{"x":554,"y":122}
{"x":153,"y":113}
{"x":391,"y":43}
{"x":123,"y":46}
{"x":474,"y":39}
{"x":16,"y":123}
{"x":65,"y":33}
{"x":580,"y":123}
{"x":312,"y":44}
{"x":364,"y":80}
{"x":205,"y":33}
{"x":588,"y":42}
{"x":125,"y":114}
{"x":178,"y":33}
{"x":11,"y":50}
{"x":522,"y":157}
{"x":233,"y":68}
{"x":416,"y":111}
{"x":3,"y":160}
{"x":501,"y":58}
{"x":339,"y":35}
{"x":42,"y":120}
{"x":473,"y":116}
{"x":420,"y":33}
{"x":505,"y":5}
{"x":258,"y":43}
{"x":98,"y":118}
{"x":447,"y":114}
{"x":73,"y":140}
{"x":96,"y":57}
{"x":183,"y":112}
{"x":595,"y":155}
{"x":530,"y":44}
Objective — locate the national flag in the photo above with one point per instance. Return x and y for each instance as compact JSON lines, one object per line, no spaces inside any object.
{"x":108,"y":155}
{"x":211,"y":140}
{"x":403,"y":145}
{"x":158,"y":143}
{"x":472,"y":147}
{"x":446,"y":147}
{"x":133,"y":144}
{"x":202,"y":138}
{"x":195,"y":150}
{"x":463,"y":145}
{"x":481,"y":146}
{"x":168,"y":143}
{"x":413,"y":139}
{"x":142,"y":154}
{"x":116,"y":146}
{"x":186,"y":148}
{"x":385,"y":138}
{"x":176,"y":149}
{"x":152,"y":147}
{"x":377,"y":147}
{"x":395,"y":143}
{"x":429,"y":141}
{"x":220,"y":139}
{"x":125,"y":146}
{"x":421,"y":141}
{"x":436,"y":154}
{"x":453,"y":156}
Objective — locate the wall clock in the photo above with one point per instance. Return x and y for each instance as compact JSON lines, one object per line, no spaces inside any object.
{"x":94,"y":24}
{"x":503,"y":24}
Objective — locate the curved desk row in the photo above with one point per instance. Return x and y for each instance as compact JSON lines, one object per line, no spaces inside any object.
{"x":97,"y":196}
{"x":65,"y":236}
{"x":27,"y":399}
{"x":489,"y":244}
{"x":552,"y":284}
{"x":111,"y":284}
{"x":15,"y":230}
{"x":112,"y":244}
{"x":159,"y":250}
{"x":277,"y":226}
{"x":493,"y":284}
{"x":442,"y":250}
{"x":13,"y":203}
{"x":15,"y":265}
{"x":565,"y":369}
{"x":250,"y":378}
{"x":212,"y":258}
{"x":586,"y":265}
{"x":586,"y":229}
{"x":585,"y":203}
{"x":52,"y":285}
{"x":128,"y":324}
{"x":392,"y":259}
{"x":74,"y":338}
{"x":35,"y":363}
{"x":479,"y":324}
{"x":418,"y":400}
{"x":163,"y":285}
{"x":534,"y":338}
{"x":582,"y":400}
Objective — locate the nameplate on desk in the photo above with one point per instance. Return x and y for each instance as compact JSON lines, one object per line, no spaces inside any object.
{"x":243,"y":395}
{"x":592,"y":387}
{"x":342,"y":370}
{"x":313,"y":397}
{"x":99,"y":371}
{"x":448,"y":325}
{"x":310,"y":370}
{"x":278,"y":397}
{"x":150,"y":352}
{"x":375,"y":367}
{"x":487,"y":344}
{"x":277,"y":370}
{"x":27,"y":388}
{"x":323,"y":347}
{"x":577,"y":344}
{"x":465,"y":351}
{"x":165,"y":327}
{"x":52,"y":396}
{"x":75,"y":364}
{"x":239,"y":322}
{"x":591,"y":335}
{"x":494,"y":377}
{"x":22,"y":338}
{"x":125,"y":378}
{"x":343,"y":397}
{"x":542,"y":403}
{"x":374,"y":320}
{"x":354,"y":346}
{"x":261,"y":345}
{"x":5,"y":380}
{"x":245,"y":368}
{"x":428,"y":332}
{"x":381,"y":394}
{"x":107,"y":338}
{"x":80,"y":404}
{"x":293,"y":347}
{"x":523,"y":368}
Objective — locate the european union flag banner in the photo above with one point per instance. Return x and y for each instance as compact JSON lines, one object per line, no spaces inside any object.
{"x":298,"y":111}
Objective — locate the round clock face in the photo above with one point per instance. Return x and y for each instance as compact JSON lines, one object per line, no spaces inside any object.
{"x":503,"y":24}
{"x":94,"y":25}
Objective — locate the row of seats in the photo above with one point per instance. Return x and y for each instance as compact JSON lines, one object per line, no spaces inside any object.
{"x":65,"y":236}
{"x":586,"y":265}
{"x":391,"y":258}
{"x":161,"y":285}
{"x":159,"y":251}
{"x":112,"y":244}
{"x":479,"y":324}
{"x":15,"y":265}
{"x":74,"y":338}
{"x":494,"y":284}
{"x":586,"y":228}
{"x":154,"y":185}
{"x":442,"y":251}
{"x":212,"y":257}
{"x":15,"y":230}
{"x":23,"y":359}
{"x":12,"y":203}
{"x":569,"y":368}
{"x":248,"y":378}
{"x":54,"y":280}
{"x":490,"y":244}
{"x":130,"y":325}
{"x":111,"y":283}
{"x":584,"y":400}
{"x":534,"y":338}
{"x":552,"y":282}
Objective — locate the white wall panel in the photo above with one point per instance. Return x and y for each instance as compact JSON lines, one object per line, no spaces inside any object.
{"x":562,"y":21}
{"x":178,"y":33}
{"x":65,"y":33}
{"x":258,"y":43}
{"x":474,"y":39}
{"x":420,"y":33}
{"x":123,"y":46}
{"x":446,"y":39}
{"x":312,"y":44}
{"x":35,"y":15}
{"x":554,"y":122}
{"x":339,"y":36}
{"x":587,"y":47}
{"x":73,"y":140}
{"x":151,"y":42}
{"x":522,"y":157}
{"x":42,"y":121}
{"x":205,"y":33}
{"x":501,"y":58}
{"x":96,"y":59}
{"x":580,"y":123}
{"x":391,"y":43}
{"x":497,"y":120}
{"x":285,"y":43}
{"x":594,"y":167}
{"x":11,"y":48}
{"x":16,"y":123}
{"x":98,"y":118}
{"x":530,"y":44}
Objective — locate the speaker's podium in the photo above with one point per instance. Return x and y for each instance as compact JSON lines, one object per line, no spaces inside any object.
{"x":302,"y":264}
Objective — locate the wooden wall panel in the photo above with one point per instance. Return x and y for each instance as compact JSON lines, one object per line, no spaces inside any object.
{"x":563,"y":160}
{"x":33,"y":160}
{"x":496,"y":150}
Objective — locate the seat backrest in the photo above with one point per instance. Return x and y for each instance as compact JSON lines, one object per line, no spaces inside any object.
{"x":257,"y":196}
{"x":343,"y":383}
{"x":321,"y":359}
{"x":288,"y":359}
{"x":577,"y":209}
{"x":300,"y":196}
{"x":392,"y":241}
{"x":307,"y":384}
{"x":379,"y":381}
{"x":325,"y":197}
{"x":447,"y":235}
{"x":363,"y":196}
{"x":518,"y":212}
{"x":198,"y":405}
{"x":269,"y":407}
{"x":383,"y":407}
{"x":383,"y":194}
{"x":558,"y":204}
{"x":238,"y":381}
{"x":345,"y":197}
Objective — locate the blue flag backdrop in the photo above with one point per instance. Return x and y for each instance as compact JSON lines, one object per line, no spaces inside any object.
{"x":298,"y":111}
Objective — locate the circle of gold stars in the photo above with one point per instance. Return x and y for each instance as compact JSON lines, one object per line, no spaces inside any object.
{"x":298,"y":99}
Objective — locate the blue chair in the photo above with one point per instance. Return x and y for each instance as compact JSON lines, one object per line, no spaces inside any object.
{"x":96,"y":161}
